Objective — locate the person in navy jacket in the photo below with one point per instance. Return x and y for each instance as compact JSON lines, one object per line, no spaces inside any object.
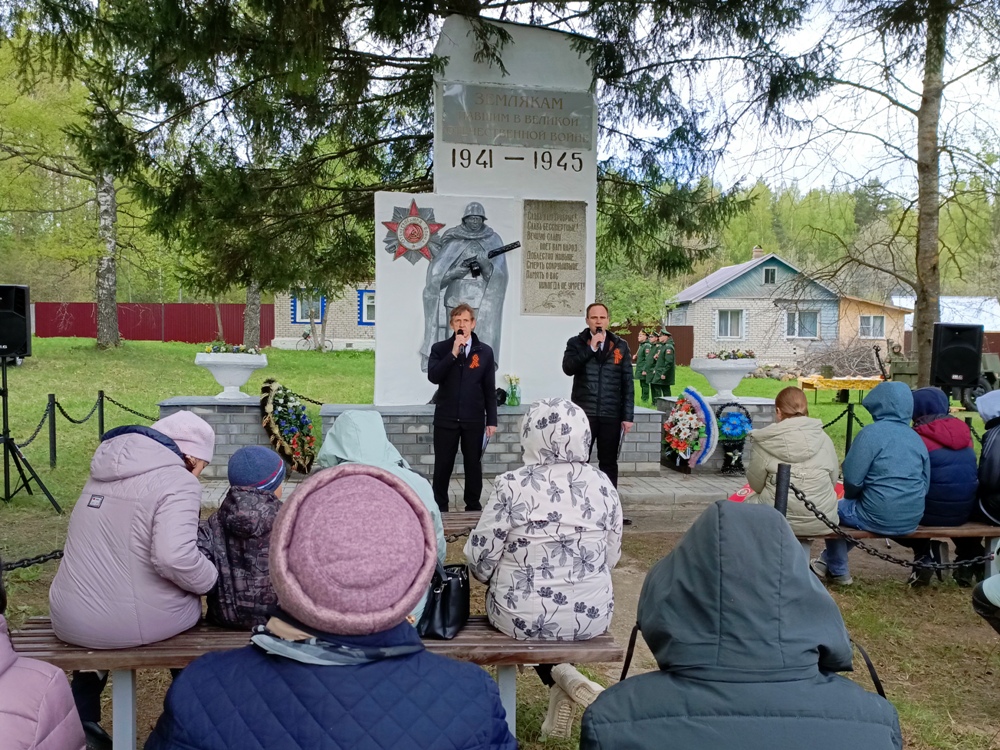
{"x":465,"y":406}
{"x":951,"y":495}
{"x":338,"y":666}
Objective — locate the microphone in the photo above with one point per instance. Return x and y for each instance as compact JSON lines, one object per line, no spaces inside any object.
{"x":460,"y":332}
{"x":600,"y":330}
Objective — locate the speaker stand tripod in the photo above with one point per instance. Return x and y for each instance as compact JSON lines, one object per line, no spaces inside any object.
{"x":12,"y":453}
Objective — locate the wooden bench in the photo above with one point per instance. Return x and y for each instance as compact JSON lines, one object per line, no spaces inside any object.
{"x":478,"y":643}
{"x":459,"y":522}
{"x":990,"y":533}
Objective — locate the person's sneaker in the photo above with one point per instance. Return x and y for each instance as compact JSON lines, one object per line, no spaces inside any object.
{"x":558,"y":721}
{"x":921,"y":577}
{"x":96,"y":737}
{"x":577,"y":687}
{"x":818,"y":566}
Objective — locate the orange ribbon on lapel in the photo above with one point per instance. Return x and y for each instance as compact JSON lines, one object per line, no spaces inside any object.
{"x":475,"y":362}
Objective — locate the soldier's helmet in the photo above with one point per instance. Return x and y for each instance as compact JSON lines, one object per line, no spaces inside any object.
{"x":475,"y":209}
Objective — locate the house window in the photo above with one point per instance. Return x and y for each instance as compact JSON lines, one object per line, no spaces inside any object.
{"x":770,"y":275}
{"x":308,"y":307}
{"x":730,"y":324}
{"x":872,"y":327}
{"x":802,"y":324}
{"x":366,"y":307}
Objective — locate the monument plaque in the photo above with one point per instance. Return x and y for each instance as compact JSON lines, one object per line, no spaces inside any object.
{"x":554,"y":266}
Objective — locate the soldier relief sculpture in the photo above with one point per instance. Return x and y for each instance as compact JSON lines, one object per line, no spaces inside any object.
{"x":464,"y":271}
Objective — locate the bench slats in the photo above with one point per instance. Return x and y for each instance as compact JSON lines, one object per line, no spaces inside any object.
{"x":931,"y":532}
{"x":456,"y":523}
{"x":478,"y":643}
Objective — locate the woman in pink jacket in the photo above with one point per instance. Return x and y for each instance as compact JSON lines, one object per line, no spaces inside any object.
{"x":132,"y":573}
{"x":36,"y":706}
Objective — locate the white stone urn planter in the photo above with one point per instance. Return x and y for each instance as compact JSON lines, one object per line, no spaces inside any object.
{"x":723,"y":374}
{"x":231,"y":371}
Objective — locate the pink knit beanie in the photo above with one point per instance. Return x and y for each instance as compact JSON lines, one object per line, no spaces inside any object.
{"x":352,"y":551}
{"x":193,"y":435}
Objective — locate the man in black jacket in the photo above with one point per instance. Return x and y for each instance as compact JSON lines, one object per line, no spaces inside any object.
{"x":465,"y":407}
{"x":601,"y":367}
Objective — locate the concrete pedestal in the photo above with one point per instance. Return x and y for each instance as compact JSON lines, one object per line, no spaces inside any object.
{"x":411,"y":430}
{"x":761,"y":413}
{"x":237,"y":422}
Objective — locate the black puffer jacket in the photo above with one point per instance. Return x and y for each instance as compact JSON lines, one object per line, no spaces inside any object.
{"x":989,"y":472}
{"x":602,"y":381}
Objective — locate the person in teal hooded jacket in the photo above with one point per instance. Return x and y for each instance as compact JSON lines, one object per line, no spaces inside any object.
{"x":358,"y":437}
{"x":748,"y":645}
{"x":887,"y":473}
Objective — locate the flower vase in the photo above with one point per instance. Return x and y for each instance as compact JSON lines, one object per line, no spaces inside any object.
{"x":732,"y":452}
{"x":514,"y":396}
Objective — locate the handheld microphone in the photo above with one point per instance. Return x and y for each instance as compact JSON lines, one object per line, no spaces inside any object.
{"x":460,"y":332}
{"x":600,"y":330}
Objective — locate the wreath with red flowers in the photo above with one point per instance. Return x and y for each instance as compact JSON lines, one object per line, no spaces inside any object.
{"x":288,"y":426}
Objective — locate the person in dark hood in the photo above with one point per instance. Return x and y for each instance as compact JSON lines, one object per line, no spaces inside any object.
{"x":886,"y":477}
{"x":749,"y":645}
{"x":237,"y":537}
{"x":951,"y":496}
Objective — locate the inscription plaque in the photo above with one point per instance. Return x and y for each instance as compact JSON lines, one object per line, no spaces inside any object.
{"x":554,"y":261}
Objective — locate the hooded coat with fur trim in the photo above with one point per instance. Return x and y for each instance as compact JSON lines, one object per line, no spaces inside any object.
{"x":748,"y":644}
{"x":550,"y":534}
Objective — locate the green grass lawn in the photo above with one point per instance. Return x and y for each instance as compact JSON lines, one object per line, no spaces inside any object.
{"x":940,"y":663}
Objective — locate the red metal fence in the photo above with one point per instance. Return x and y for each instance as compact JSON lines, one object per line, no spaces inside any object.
{"x":177,"y":321}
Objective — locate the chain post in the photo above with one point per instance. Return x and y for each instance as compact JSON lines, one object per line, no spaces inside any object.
{"x":51,"y":411}
{"x":100,"y":414}
{"x":781,"y":484}
{"x":850,"y":428}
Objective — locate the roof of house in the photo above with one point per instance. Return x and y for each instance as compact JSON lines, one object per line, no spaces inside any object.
{"x":886,"y":305}
{"x":724,"y":275}
{"x":969,"y":310}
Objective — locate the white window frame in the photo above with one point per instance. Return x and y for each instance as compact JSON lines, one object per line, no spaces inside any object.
{"x":871,"y":319}
{"x":742,"y":326}
{"x":364,"y":295}
{"x":791,"y":315}
{"x":773,"y":272}
{"x":300,"y":314}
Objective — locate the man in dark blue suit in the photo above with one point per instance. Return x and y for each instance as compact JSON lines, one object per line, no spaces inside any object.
{"x":463,"y":369}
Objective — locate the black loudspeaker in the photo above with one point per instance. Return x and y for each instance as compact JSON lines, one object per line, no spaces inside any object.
{"x":956,"y":356}
{"x":15,"y":321}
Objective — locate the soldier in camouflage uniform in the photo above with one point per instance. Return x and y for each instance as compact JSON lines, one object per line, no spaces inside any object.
{"x":639,"y":373}
{"x":649,"y":374}
{"x":663,"y":368}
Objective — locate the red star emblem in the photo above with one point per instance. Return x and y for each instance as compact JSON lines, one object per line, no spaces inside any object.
{"x":413,"y":232}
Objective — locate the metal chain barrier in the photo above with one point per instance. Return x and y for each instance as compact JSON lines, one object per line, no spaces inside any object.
{"x":38,"y":429}
{"x":129,"y":410}
{"x":304,"y":398}
{"x":78,"y":421}
{"x":836,"y":419}
{"x":976,"y":435}
{"x":876,"y":553}
{"x":458,"y":535}
{"x":29,"y":561}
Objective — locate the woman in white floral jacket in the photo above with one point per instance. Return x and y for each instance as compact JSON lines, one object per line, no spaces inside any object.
{"x":546,"y":544}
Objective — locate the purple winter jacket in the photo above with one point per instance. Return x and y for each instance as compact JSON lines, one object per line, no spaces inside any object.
{"x":36,"y":706}
{"x":132,"y":573}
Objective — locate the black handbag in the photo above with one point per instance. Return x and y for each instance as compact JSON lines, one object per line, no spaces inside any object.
{"x":447,"y":608}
